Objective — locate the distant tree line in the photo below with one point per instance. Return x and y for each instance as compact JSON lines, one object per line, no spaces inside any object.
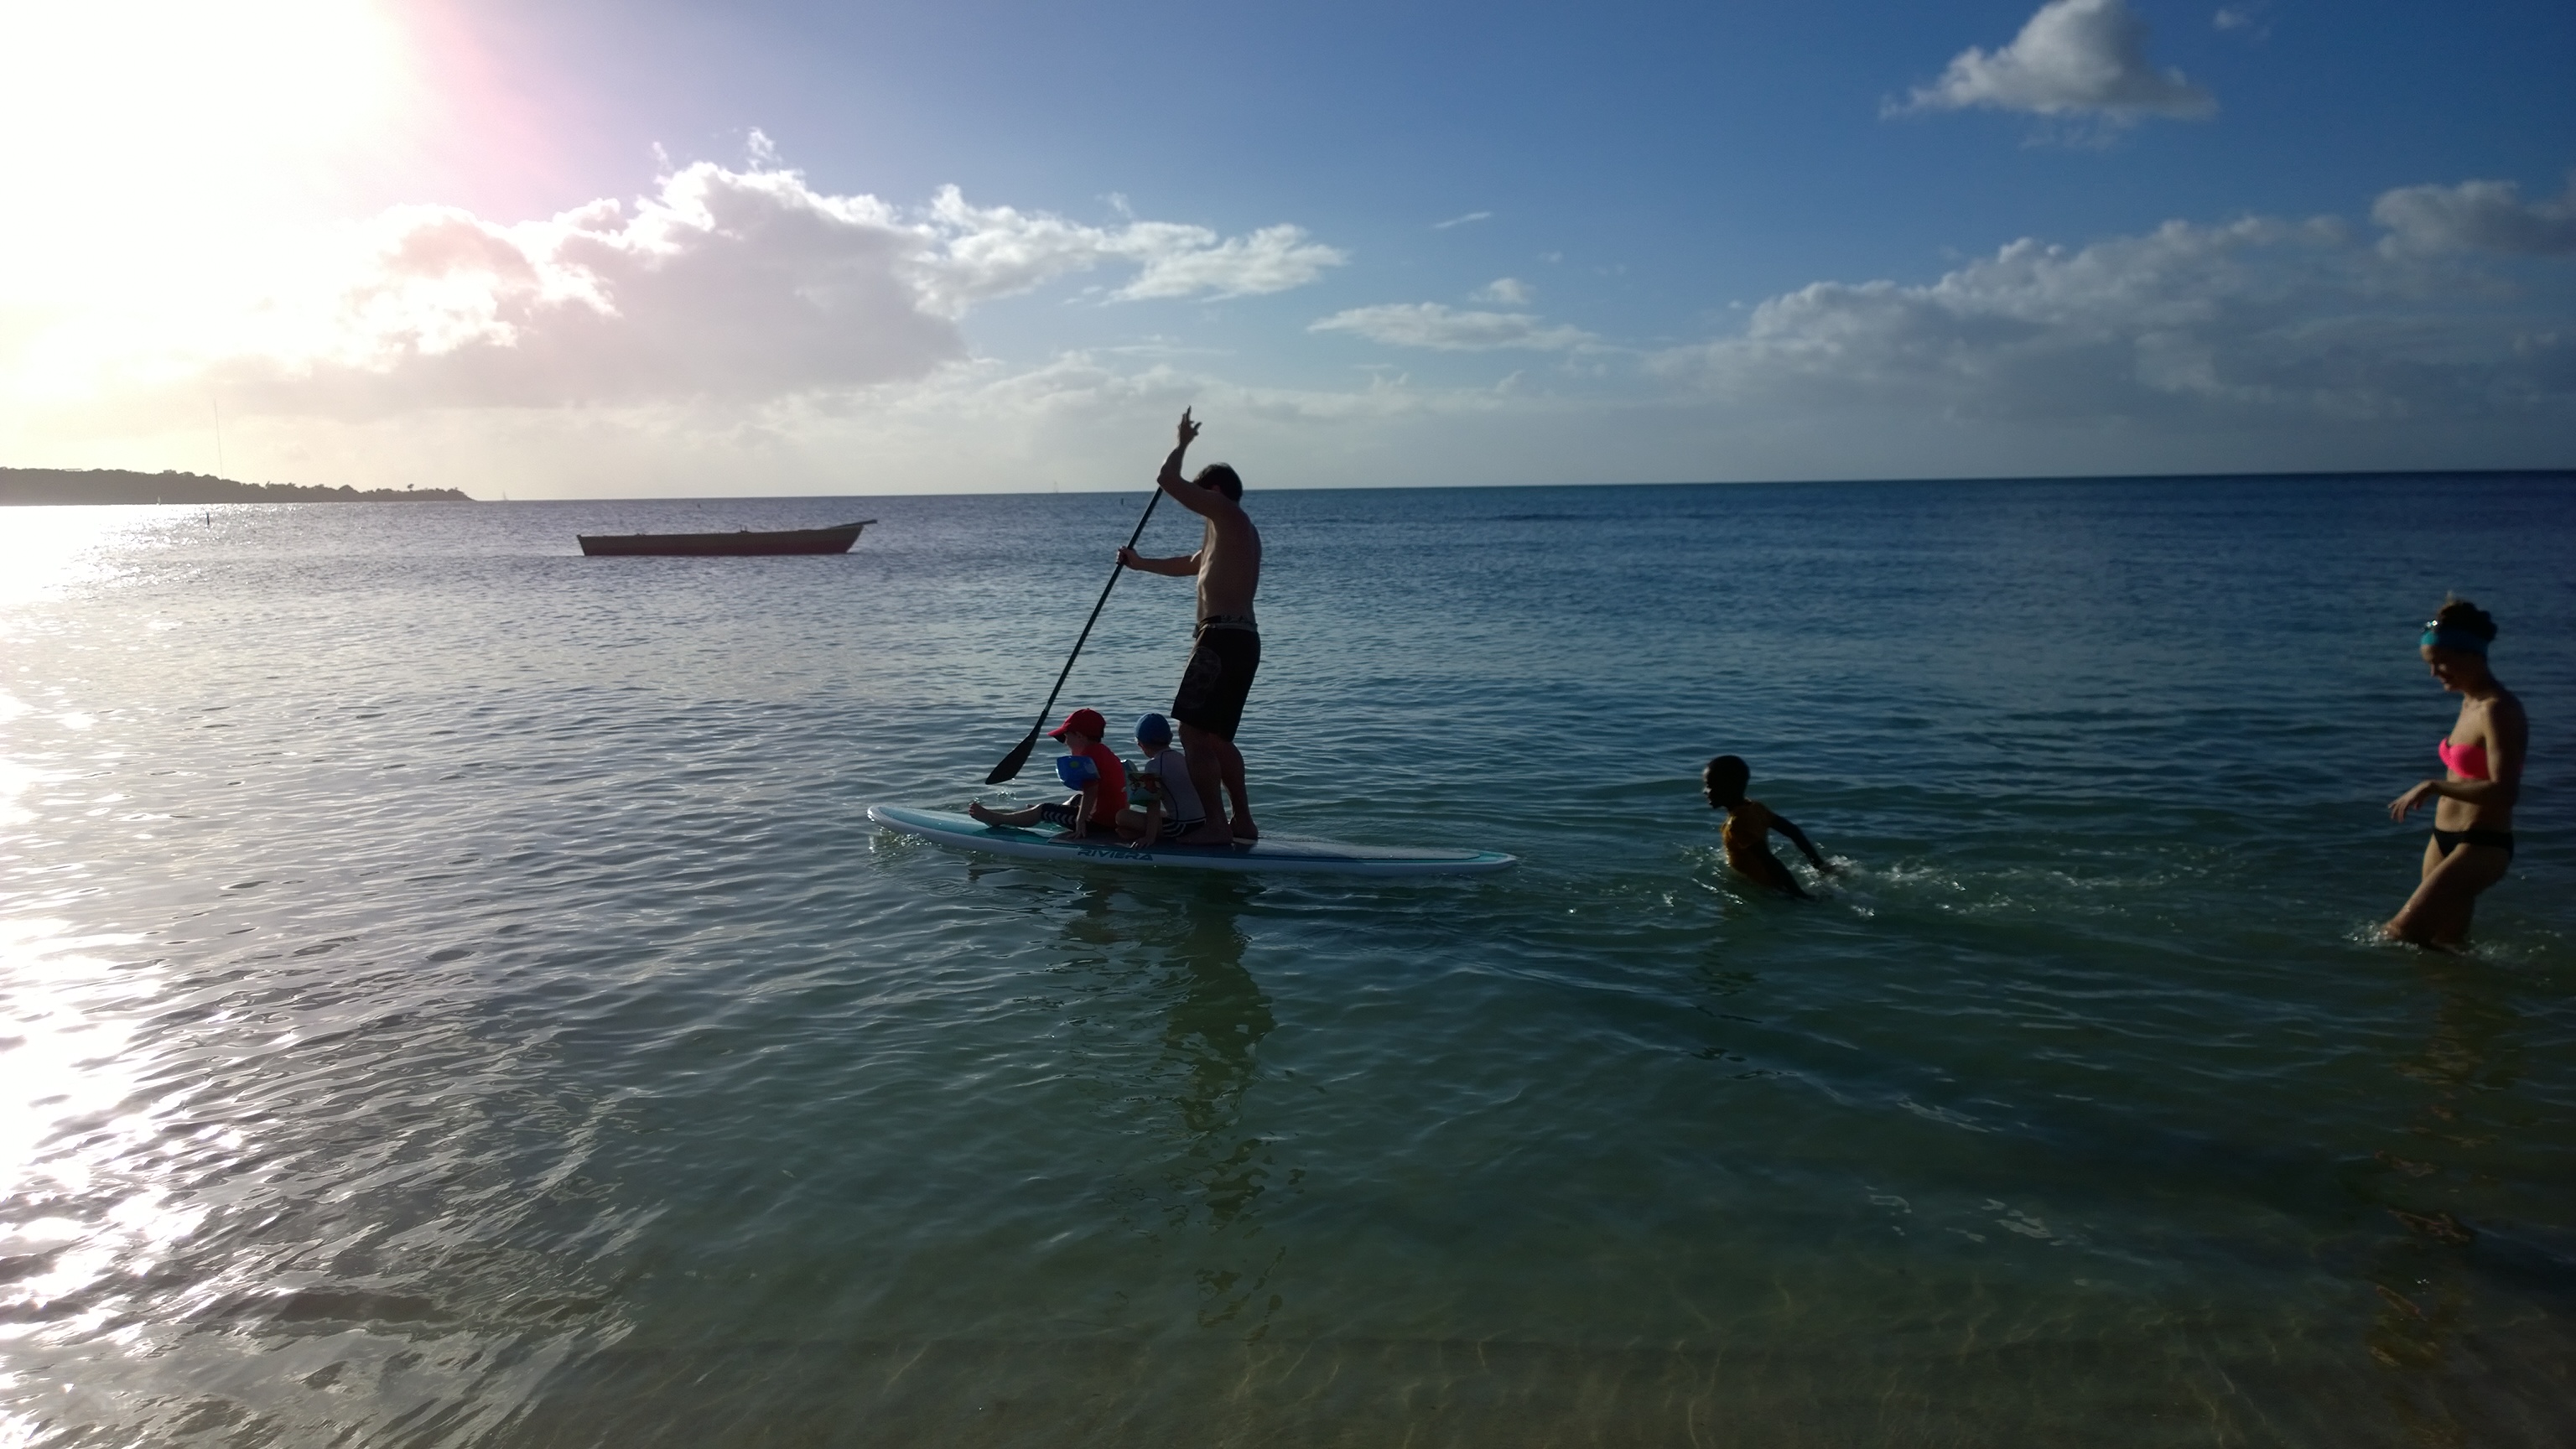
{"x":117,"y":485}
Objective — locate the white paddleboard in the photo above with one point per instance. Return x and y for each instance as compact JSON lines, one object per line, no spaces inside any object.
{"x":1270,"y":853}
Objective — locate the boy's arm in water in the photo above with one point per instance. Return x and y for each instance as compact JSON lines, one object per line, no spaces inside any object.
{"x":1799,"y":839}
{"x":1769,"y":871}
{"x":1748,"y":853}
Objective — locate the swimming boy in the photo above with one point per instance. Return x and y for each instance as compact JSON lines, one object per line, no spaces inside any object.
{"x":1163,"y":801}
{"x":1749,"y":824}
{"x":1097,"y":776}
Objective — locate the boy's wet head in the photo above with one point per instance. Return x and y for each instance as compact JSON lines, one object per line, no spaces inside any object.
{"x":1724,"y":779}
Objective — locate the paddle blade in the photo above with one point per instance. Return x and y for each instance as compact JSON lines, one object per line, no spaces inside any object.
{"x":1011,"y":762}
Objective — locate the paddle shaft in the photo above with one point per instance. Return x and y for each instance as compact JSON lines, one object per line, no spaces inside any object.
{"x":1114,"y":571}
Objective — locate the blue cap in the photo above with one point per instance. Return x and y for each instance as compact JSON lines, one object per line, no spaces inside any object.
{"x":1153,"y":729}
{"x":2459,"y":640}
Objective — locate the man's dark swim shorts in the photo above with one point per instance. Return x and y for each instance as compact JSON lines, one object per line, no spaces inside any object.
{"x":1213,"y":688}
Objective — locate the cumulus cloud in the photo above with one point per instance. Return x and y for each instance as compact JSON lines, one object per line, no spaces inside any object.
{"x":2475,"y":216}
{"x":721,"y":284}
{"x":986,"y":252}
{"x":2072,"y":58}
{"x":1429,"y":324}
{"x":2256,"y":319}
{"x":736,"y":285}
{"x":1510,"y":291}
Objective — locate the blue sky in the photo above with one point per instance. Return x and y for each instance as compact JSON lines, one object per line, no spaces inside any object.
{"x":1371,"y":243}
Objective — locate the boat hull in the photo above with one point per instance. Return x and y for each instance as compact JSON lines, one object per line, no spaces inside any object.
{"x":744,"y":541}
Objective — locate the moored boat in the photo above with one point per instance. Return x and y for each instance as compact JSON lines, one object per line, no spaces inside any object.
{"x":836,"y":539}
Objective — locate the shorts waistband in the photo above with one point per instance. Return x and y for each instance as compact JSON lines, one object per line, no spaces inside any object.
{"x":1228,"y":621}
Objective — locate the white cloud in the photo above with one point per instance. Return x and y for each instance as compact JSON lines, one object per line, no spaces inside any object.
{"x":1510,"y":291}
{"x":722,"y":284}
{"x":988,"y":252}
{"x":1273,"y":259}
{"x":2487,"y":216}
{"x":2257,"y":322}
{"x":737,"y":331}
{"x":2246,"y":19}
{"x":1429,"y":324}
{"x":1472,"y":216}
{"x":2074,"y":57}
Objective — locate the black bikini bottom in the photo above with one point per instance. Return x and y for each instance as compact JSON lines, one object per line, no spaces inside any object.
{"x":2451,"y":840}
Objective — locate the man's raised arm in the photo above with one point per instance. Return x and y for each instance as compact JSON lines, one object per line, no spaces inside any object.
{"x":1170,"y":478}
{"x":1205,"y":502}
{"x":1192,"y":497}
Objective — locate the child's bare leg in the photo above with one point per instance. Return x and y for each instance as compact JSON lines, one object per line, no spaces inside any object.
{"x":991,"y":816}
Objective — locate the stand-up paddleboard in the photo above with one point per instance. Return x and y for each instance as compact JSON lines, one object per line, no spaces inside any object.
{"x":1270,"y":853}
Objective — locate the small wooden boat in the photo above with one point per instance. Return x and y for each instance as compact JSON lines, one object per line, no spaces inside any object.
{"x":836,"y":539}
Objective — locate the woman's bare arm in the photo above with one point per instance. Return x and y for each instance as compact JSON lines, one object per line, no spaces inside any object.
{"x":2508,"y":736}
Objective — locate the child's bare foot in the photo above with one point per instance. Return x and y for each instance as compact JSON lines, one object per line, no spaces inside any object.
{"x":980,"y":812}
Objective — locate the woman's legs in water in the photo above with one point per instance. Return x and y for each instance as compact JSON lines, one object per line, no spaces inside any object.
{"x":2439,"y":911}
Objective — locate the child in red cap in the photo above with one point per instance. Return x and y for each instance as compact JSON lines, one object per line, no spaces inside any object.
{"x":1097,"y":776}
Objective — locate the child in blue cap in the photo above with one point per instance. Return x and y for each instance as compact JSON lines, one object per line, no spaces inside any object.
{"x":1162,"y":803}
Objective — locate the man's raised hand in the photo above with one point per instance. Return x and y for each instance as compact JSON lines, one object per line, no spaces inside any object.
{"x":1189,"y":430}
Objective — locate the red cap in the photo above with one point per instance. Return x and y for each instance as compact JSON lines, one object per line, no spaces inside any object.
{"x":1081,"y":722}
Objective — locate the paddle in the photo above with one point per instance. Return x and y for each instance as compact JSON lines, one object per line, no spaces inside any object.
{"x":1019,"y":756}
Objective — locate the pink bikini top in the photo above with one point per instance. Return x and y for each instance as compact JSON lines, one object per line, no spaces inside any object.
{"x":2469,"y":762}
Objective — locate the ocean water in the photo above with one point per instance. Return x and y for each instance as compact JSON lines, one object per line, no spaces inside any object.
{"x":450,"y":992}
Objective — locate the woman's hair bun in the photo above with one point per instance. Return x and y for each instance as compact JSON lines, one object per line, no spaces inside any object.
{"x":2459,"y":613}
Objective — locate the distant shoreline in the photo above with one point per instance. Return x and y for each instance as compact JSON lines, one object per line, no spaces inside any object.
{"x":61,"y":486}
{"x":118,"y":485}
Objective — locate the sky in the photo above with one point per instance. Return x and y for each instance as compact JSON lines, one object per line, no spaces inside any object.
{"x":570,"y":248}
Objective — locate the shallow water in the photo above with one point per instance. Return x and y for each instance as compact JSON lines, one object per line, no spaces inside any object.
{"x":453,"y":993}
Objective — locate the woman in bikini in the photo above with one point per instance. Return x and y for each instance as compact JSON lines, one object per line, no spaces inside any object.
{"x":2472,"y":840}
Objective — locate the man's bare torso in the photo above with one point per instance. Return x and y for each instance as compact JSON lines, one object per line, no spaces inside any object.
{"x":1229,"y":567}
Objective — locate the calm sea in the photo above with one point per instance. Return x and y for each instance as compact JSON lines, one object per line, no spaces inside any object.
{"x":450,"y":992}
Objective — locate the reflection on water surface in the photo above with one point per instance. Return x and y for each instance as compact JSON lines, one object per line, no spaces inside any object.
{"x":452,"y":995}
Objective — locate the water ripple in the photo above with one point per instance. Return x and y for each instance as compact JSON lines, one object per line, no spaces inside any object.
{"x":450,"y":993}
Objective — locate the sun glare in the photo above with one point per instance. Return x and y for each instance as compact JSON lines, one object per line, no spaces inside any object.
{"x":123,"y":122}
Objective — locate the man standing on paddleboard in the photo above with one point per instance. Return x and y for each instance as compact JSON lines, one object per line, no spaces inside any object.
{"x":1227,"y":647}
